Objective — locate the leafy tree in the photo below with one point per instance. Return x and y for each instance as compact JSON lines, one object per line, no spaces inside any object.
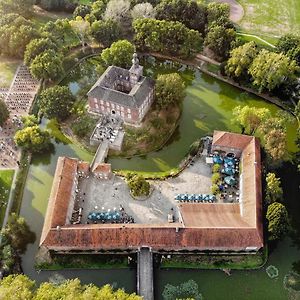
{"x":98,"y":8}
{"x":289,"y":44}
{"x":83,"y":126}
{"x":56,"y":102}
{"x":81,"y":11}
{"x":58,"y":5}
{"x":119,"y":11}
{"x":82,"y":29}
{"x":17,"y":287}
{"x":36,"y":47}
{"x":165,"y":36}
{"x":119,"y":54}
{"x":33,"y":139}
{"x":188,"y":12}
{"x":47,"y":65}
{"x":169,"y":90}
{"x":273,"y":189}
{"x":143,"y":10}
{"x":240,"y":60}
{"x":278,"y":219}
{"x":217,"y":11}
{"x":18,"y":233}
{"x":22,"y":7}
{"x":270,"y":69}
{"x":219,"y":39}
{"x":4,"y":113}
{"x":29,"y":120}
{"x":215,"y":178}
{"x":275,"y":144}
{"x":105,"y":32}
{"x":7,"y":259}
{"x":138,"y":185}
{"x":249,"y":119}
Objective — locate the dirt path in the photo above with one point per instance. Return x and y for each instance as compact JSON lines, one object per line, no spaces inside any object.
{"x":236,"y":10}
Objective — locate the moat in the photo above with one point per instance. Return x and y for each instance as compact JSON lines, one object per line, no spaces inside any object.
{"x":207,"y":106}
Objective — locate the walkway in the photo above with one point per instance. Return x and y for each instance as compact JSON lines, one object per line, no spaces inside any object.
{"x":145,"y":274}
{"x":100,"y":154}
{"x":236,"y":10}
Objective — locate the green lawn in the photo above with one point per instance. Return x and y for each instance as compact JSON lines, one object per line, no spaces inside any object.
{"x":6,"y":177}
{"x":8,"y":68}
{"x":271,"y":17}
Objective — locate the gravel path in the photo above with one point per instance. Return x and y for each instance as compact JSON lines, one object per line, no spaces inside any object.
{"x":236,"y":10}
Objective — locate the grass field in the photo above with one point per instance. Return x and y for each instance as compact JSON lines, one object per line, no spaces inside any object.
{"x":8,"y":68}
{"x":6,"y":177}
{"x":271,"y":17}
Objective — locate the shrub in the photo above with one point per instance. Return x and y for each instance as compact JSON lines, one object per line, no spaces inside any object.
{"x":138,"y":185}
{"x":216,"y":168}
{"x":215,"y":189}
{"x":215,"y":178}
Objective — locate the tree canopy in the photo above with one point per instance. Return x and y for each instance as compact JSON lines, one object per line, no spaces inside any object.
{"x":4,"y":113}
{"x":169,"y":90}
{"x":56,"y":102}
{"x":240,"y":60}
{"x":270,"y":69}
{"x":138,"y":185}
{"x":22,"y":7}
{"x":217,"y":11}
{"x":20,"y":287}
{"x":105,"y":31}
{"x":166,"y":37}
{"x":18,"y":233}
{"x":143,"y":10}
{"x":119,"y":11}
{"x":188,"y":12}
{"x":119,"y":54}
{"x":289,"y":44}
{"x":278,"y":221}
{"x":273,"y":189}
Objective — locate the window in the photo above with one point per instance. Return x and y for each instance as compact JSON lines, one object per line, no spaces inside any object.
{"x":102,"y":107}
{"x":129,"y":116}
{"x":122,"y":114}
{"x":107,"y":103}
{"x":101,"y":101}
{"x":95,"y":100}
{"x":128,"y":110}
{"x":96,"y":105}
{"x":118,"y":107}
{"x":112,"y":105}
{"x":122,"y":108}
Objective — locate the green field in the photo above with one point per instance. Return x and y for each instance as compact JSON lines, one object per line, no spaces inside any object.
{"x":271,"y":17}
{"x":6,"y":178}
{"x":8,"y":68}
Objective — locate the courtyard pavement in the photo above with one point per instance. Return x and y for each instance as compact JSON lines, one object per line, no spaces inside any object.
{"x":95,"y":194}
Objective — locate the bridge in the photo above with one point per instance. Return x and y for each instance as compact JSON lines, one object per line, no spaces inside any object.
{"x":145,"y":273}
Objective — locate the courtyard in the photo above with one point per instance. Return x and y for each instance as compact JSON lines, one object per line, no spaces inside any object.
{"x":96,"y":195}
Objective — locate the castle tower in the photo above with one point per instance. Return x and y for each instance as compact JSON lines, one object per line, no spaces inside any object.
{"x":136,"y":71}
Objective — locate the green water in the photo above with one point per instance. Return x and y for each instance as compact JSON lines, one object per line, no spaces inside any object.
{"x":208,"y":106}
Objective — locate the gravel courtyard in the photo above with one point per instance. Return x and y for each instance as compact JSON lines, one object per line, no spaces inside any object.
{"x":110,"y":194}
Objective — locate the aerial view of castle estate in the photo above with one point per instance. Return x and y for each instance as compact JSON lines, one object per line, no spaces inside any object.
{"x":149,"y":150}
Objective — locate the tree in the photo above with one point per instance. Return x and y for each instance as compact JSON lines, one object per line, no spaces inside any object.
{"x":33,"y":139}
{"x":275,"y":144}
{"x":98,"y":8}
{"x":188,"y":12}
{"x":273,"y":189}
{"x":56,"y":102}
{"x":278,"y":221}
{"x":119,"y":11}
{"x":17,"y":287}
{"x":22,"y":7}
{"x":249,"y":119}
{"x":240,"y":60}
{"x":119,"y":54}
{"x":20,"y":287}
{"x":7,"y":259}
{"x":82,"y":29}
{"x":47,"y":65}
{"x":217,"y":11}
{"x":169,"y":90}
{"x":143,"y":10}
{"x":81,"y":11}
{"x":167,"y":37}
{"x":219,"y":40}
{"x":270,"y":69}
{"x":105,"y":32}
{"x":138,"y":185}
{"x":289,"y":44}
{"x":18,"y":233}
{"x":36,"y":47}
{"x":4,"y":113}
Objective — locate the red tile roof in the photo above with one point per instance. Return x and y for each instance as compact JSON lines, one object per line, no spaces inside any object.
{"x":205,"y":226}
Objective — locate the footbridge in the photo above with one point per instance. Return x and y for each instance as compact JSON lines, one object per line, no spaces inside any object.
{"x":145,"y":273}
